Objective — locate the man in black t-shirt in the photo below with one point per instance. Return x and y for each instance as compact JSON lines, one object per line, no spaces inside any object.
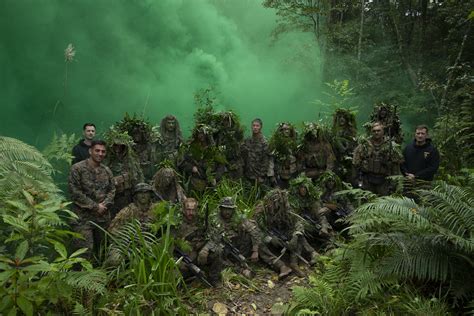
{"x":81,"y":150}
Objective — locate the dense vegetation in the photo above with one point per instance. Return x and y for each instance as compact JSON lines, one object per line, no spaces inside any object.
{"x":402,"y":256}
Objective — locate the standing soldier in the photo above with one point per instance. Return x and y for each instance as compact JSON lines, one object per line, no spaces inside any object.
{"x":315,"y":154}
{"x":283,"y":150}
{"x":81,"y":151}
{"x":229,"y":135}
{"x":387,"y":115}
{"x":258,"y":166}
{"x":145,"y":143}
{"x":167,"y":187}
{"x":171,"y":138}
{"x":283,"y":228}
{"x":375,"y":159}
{"x":192,"y":231}
{"x":202,"y":164}
{"x":124,"y":166}
{"x":344,"y":132}
{"x":92,"y":193}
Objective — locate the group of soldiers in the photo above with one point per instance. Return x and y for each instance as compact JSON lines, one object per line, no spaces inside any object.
{"x":297,"y":178}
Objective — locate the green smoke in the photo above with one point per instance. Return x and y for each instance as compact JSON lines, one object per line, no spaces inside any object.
{"x":147,"y":57}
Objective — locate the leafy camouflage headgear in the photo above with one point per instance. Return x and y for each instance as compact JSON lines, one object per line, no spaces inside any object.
{"x":130,"y":124}
{"x":227,"y":202}
{"x":329,"y":176}
{"x":347,"y":115}
{"x":164,"y":121}
{"x":204,"y":129}
{"x":115,"y":136}
{"x":314,"y":131}
{"x":281,"y":145}
{"x":303,"y":180}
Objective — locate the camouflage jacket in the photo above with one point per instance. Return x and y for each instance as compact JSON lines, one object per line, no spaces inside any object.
{"x":382,"y":160}
{"x":129,"y":213}
{"x":147,"y":158}
{"x":90,"y":186}
{"x":127,"y":173}
{"x":316,"y":158}
{"x":192,"y":232}
{"x":256,"y":156}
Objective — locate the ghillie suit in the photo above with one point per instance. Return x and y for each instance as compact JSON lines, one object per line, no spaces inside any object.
{"x":171,"y":138}
{"x":305,"y":200}
{"x":125,"y":167}
{"x":336,"y":207}
{"x":258,"y":165}
{"x":315,"y":154}
{"x":344,"y":141}
{"x":229,"y":229}
{"x":228,"y":135}
{"x":390,"y":119}
{"x":374,"y":162}
{"x":280,"y":223}
{"x":283,"y":148}
{"x":202,"y":164}
{"x":146,"y":142}
{"x":167,"y":187}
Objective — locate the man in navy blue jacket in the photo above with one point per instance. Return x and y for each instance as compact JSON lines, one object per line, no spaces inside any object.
{"x":421,"y":157}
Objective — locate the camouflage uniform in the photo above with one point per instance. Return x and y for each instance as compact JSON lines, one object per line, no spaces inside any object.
{"x":146,"y":142}
{"x":88,"y":187}
{"x":202,"y":154}
{"x":171,"y":138}
{"x":374,"y":162}
{"x":283,"y":150}
{"x":315,"y":154}
{"x":344,"y":141}
{"x":276,"y":215}
{"x":243,"y":234}
{"x":125,"y":168}
{"x":305,"y":201}
{"x":258,"y":165}
{"x":167,"y":187}
{"x":388,"y":116}
{"x":228,"y":136}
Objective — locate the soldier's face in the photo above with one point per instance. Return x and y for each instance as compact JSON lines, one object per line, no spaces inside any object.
{"x":377,"y":131}
{"x":342,"y":121}
{"x":97,"y":153}
{"x":226,"y":212}
{"x":285,"y":130}
{"x":256,"y":127}
{"x":137,"y":135}
{"x":421,"y":135}
{"x":89,"y":132}
{"x":170,"y":125}
{"x":189,"y":210}
{"x":143,"y":198}
{"x":303,"y":191}
{"x":383,"y":113}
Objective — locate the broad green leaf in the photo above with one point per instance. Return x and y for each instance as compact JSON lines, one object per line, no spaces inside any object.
{"x":12,"y":311}
{"x":25,"y":305}
{"x":6,"y":302}
{"x":5,"y":276}
{"x":21,"y":250}
{"x":471,"y":15}
{"x":78,"y":252}
{"x":59,"y":247}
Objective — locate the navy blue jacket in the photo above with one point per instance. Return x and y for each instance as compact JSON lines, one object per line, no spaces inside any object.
{"x":80,"y":152}
{"x":422,"y":161}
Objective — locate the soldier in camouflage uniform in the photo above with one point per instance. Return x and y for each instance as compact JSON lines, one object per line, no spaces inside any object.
{"x":192,"y":231}
{"x":124,"y":166}
{"x":375,"y":159}
{"x":167,"y":187}
{"x":336,"y":206}
{"x":305,"y":200}
{"x":258,"y":165}
{"x":146,"y":141}
{"x":315,"y":154}
{"x":387,"y":115}
{"x":283,"y":150}
{"x":276,"y":217}
{"x":203,"y":163}
{"x":92,"y":193}
{"x":344,"y":132}
{"x":243,"y":234}
{"x":140,"y":209}
{"x":171,"y":138}
{"x":228,"y":135}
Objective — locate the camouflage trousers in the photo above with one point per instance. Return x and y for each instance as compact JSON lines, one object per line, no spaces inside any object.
{"x":92,"y":237}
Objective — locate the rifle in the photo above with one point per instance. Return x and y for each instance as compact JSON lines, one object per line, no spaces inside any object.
{"x":309,"y":219}
{"x":284,"y":242}
{"x":339,"y":211}
{"x":235,"y":253}
{"x":197,"y":272}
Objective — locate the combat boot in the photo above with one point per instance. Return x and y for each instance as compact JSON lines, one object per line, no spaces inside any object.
{"x":296,"y":269}
{"x":284,"y":271}
{"x":314,"y":258}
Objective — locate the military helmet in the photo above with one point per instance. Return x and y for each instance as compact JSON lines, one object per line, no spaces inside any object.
{"x":142,"y":187}
{"x":227,"y":202}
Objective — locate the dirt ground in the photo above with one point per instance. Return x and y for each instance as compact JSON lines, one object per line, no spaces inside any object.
{"x":263,"y":294}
